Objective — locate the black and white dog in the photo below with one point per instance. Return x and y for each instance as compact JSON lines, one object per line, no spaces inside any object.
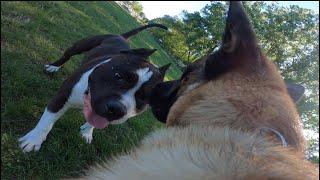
{"x":112,"y":84}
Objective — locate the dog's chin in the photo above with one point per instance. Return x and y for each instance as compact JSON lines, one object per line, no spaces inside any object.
{"x":91,"y":117}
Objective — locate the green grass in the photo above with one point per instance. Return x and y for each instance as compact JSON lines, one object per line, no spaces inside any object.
{"x":33,"y":34}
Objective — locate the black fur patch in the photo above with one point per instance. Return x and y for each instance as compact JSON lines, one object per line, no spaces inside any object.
{"x":162,"y":98}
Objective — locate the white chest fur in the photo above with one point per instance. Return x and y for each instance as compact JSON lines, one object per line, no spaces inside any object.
{"x":76,"y":97}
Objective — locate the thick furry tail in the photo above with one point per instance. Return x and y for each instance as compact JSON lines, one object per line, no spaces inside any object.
{"x":135,"y":31}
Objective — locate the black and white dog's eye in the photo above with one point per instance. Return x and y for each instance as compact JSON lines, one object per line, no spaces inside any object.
{"x":118,"y":76}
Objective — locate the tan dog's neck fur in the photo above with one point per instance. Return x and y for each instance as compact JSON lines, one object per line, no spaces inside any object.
{"x":202,"y":153}
{"x":242,"y":101}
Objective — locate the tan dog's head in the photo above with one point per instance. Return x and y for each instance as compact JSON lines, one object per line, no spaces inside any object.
{"x":236,"y":86}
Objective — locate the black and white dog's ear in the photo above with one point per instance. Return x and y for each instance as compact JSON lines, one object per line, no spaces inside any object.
{"x":142,"y":52}
{"x":295,"y":91}
{"x":163,"y":70}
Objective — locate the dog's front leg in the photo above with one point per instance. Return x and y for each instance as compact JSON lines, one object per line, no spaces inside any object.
{"x":34,"y":139}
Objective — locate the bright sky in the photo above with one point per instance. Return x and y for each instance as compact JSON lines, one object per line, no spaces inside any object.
{"x":154,"y":9}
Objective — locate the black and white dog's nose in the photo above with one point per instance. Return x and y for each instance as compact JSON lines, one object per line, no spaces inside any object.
{"x":114,"y":110}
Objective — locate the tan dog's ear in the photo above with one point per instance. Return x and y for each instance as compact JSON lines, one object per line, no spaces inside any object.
{"x":295,"y":91}
{"x":238,"y":32}
{"x":142,"y":52}
{"x":239,"y":44}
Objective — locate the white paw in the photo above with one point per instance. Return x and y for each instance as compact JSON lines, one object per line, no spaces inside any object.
{"x":86,"y":131}
{"x":32,"y":141}
{"x":51,"y":68}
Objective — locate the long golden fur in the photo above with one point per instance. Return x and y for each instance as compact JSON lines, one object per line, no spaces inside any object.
{"x":196,"y":152}
{"x":213,"y":124}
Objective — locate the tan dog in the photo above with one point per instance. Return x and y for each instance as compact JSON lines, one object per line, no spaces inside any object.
{"x":229,"y":117}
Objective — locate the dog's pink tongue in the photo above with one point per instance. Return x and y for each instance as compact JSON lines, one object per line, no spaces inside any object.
{"x":91,"y":117}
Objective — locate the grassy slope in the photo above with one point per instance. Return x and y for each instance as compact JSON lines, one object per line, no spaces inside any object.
{"x":33,"y":34}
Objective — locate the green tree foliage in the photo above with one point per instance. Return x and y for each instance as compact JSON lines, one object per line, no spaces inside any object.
{"x":289,"y":36}
{"x":137,"y":7}
{"x":175,"y":41}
